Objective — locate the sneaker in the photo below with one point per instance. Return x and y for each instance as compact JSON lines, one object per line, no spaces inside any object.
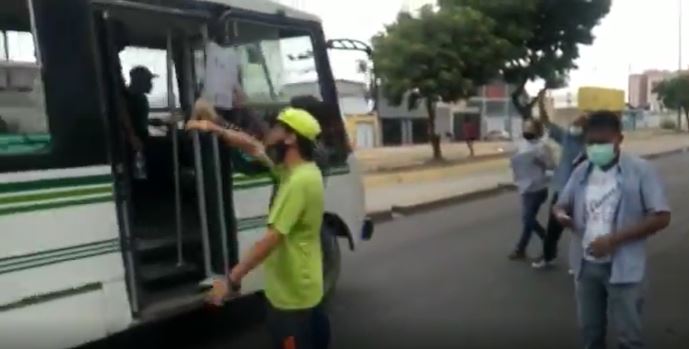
{"x":517,"y":256}
{"x":570,"y":271}
{"x":541,"y":264}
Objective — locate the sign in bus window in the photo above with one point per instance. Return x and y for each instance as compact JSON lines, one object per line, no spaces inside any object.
{"x":23,"y":119}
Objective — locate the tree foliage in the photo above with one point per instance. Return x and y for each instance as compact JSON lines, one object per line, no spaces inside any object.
{"x":545,"y":36}
{"x":437,"y":56}
{"x":674,"y":94}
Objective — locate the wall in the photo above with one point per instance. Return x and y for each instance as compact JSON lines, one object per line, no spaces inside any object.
{"x":638,"y":90}
{"x":352,"y":122}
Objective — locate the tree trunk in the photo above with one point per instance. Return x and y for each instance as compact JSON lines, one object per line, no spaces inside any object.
{"x":679,"y":119}
{"x":686,"y":116}
{"x":434,"y":138}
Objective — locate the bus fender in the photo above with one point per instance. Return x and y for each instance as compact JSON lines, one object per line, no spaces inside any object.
{"x":339,"y":227}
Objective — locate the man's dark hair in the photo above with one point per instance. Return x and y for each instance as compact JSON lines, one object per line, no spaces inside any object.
{"x":603,"y":120}
{"x":312,"y":105}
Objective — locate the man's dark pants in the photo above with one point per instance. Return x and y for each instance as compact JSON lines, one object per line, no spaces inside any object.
{"x":299,"y":329}
{"x":553,"y":233}
{"x":531,"y":204}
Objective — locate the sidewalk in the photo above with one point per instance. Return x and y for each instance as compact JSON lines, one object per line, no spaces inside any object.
{"x":391,"y":158}
{"x":406,"y":189}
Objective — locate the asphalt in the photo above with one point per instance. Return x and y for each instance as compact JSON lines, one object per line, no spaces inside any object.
{"x":441,"y":279}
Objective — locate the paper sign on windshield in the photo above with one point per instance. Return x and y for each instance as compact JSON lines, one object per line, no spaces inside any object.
{"x":222,"y":68}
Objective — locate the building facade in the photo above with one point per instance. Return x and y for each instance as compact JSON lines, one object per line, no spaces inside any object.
{"x":498,"y":113}
{"x":362,"y":125}
{"x":638,"y":91}
{"x":641,"y":88}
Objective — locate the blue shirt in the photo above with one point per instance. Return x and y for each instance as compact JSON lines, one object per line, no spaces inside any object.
{"x":572,"y":146}
{"x":642,"y":194}
{"x":529,"y":166}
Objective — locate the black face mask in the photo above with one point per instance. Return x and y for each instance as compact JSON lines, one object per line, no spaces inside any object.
{"x":277,"y":152}
{"x":529,"y":136}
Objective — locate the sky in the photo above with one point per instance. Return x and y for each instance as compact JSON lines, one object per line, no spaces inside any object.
{"x":635,"y":36}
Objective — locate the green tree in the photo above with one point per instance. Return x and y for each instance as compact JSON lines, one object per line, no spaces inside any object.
{"x":545,"y":36}
{"x":437,"y":56}
{"x":674,"y":94}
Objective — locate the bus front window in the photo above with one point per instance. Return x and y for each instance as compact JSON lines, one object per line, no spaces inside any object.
{"x":274,"y":63}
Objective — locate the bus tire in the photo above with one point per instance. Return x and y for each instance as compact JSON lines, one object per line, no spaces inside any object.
{"x":332,"y":260}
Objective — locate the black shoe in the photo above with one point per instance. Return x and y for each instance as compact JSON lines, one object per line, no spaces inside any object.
{"x":517,"y":256}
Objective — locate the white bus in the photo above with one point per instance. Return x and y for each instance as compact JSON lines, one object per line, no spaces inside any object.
{"x":86,"y":251}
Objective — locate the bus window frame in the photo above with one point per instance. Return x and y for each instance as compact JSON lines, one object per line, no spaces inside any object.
{"x":61,"y":153}
{"x":326,"y":80}
{"x":13,"y":162}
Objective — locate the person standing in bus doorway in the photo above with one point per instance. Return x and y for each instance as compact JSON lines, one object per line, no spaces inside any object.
{"x":613,"y":203}
{"x":290,"y":251}
{"x":140,"y":85}
{"x":529,"y":167}
{"x":571,"y":141}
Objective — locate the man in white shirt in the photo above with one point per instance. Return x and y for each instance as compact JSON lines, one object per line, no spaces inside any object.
{"x":602,"y":198}
{"x":529,"y":166}
{"x":613,"y":203}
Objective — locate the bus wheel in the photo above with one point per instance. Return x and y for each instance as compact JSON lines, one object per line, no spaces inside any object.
{"x":331,"y":260}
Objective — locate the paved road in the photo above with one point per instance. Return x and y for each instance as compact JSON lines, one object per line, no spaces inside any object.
{"x":442,"y":280}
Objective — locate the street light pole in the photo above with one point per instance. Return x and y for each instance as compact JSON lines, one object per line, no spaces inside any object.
{"x":679,"y":67}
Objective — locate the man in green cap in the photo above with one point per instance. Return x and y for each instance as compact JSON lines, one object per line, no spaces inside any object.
{"x":290,"y":251}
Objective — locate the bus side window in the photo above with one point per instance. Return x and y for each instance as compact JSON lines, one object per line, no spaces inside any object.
{"x":24,"y":125}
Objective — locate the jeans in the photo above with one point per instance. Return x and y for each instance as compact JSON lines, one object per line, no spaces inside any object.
{"x":597,"y":300}
{"x":299,"y":329}
{"x":531,"y":204}
{"x":553,"y":233}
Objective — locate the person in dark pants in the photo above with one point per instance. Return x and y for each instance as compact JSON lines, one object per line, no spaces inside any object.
{"x":470,"y":132}
{"x":290,"y":251}
{"x":571,"y":143}
{"x":529,"y":166}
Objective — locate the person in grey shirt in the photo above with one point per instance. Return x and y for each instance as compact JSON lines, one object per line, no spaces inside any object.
{"x":613,"y":203}
{"x":529,"y":166}
{"x":571,"y":141}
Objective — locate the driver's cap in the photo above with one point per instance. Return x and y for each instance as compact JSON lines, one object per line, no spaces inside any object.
{"x":301,"y":122}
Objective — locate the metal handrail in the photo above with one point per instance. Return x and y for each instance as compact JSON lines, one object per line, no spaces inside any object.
{"x":201,"y":195}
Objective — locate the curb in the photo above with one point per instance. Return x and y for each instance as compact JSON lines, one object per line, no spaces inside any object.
{"x":408,"y":210}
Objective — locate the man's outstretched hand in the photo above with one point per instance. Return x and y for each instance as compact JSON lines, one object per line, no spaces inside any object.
{"x":201,"y":125}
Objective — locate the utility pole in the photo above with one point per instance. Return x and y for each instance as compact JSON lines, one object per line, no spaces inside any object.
{"x":679,"y":67}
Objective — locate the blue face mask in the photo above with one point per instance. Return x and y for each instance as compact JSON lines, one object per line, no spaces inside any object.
{"x":601,"y":155}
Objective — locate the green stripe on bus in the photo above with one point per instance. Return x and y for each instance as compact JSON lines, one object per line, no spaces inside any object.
{"x":55,"y":195}
{"x":69,"y":258}
{"x":51,"y":296}
{"x":59,"y":256}
{"x":53,"y":205}
{"x":245,"y":182}
{"x":54,"y":183}
{"x":253,"y":184}
{"x":42,"y":254}
{"x":252,"y":223}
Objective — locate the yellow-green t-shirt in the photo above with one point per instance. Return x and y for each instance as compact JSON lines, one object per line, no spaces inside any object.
{"x":294,"y":270}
